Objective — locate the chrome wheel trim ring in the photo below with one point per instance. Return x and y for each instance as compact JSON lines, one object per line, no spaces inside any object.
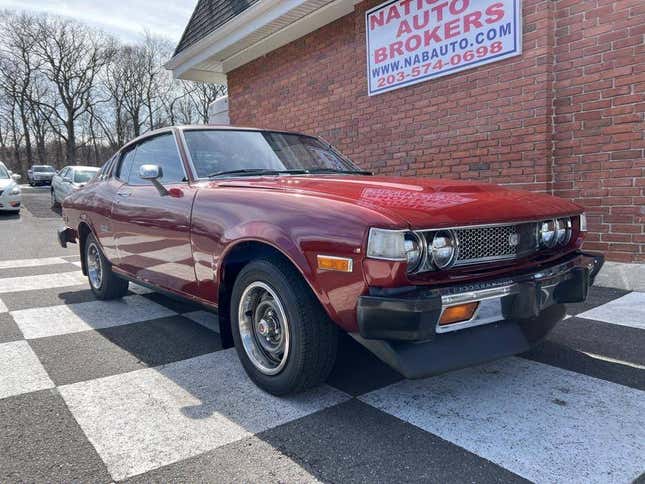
{"x":264,"y":328}
{"x":94,"y":265}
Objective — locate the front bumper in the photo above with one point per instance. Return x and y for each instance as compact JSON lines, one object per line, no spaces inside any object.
{"x":402,"y":329}
{"x":10,"y":202}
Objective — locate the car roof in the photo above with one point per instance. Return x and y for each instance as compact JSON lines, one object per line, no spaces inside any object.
{"x":204,"y":127}
{"x":84,"y":167}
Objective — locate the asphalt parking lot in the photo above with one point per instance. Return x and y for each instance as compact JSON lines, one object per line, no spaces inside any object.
{"x":142,"y":390}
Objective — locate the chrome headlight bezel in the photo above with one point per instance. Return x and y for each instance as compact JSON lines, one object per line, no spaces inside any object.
{"x":547,"y":235}
{"x":396,"y":245}
{"x":563,"y":229}
{"x":437,"y":247}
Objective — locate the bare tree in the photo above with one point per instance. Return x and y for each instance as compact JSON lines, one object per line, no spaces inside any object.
{"x":73,"y":57}
{"x":17,"y":65}
{"x":68,"y":91}
{"x":203,"y":95}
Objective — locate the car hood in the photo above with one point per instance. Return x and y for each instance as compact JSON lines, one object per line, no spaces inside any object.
{"x":5,"y":183}
{"x":422,"y":202}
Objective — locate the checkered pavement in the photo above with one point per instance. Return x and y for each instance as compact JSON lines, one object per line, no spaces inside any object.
{"x":141,"y":389}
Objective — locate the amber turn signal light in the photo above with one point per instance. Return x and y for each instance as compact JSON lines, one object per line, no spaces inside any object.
{"x":331,"y":263}
{"x":458,"y":313}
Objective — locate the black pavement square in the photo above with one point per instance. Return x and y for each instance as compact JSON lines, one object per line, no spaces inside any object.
{"x":9,"y":330}
{"x":41,"y":442}
{"x":87,"y":355}
{"x":354,"y":442}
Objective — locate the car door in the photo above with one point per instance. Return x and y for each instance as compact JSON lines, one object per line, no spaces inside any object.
{"x":65,"y":183}
{"x":152,"y":231}
{"x":56,"y":181}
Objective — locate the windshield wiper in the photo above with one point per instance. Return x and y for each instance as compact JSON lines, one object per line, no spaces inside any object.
{"x":334,"y":170}
{"x":298,"y":171}
{"x":245,"y":171}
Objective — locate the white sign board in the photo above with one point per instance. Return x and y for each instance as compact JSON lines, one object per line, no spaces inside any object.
{"x":411,"y":41}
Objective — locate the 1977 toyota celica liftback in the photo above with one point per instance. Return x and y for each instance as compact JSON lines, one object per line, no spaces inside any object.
{"x":291,"y":241}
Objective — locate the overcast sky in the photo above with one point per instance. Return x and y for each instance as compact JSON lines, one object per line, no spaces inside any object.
{"x":125,"y":19}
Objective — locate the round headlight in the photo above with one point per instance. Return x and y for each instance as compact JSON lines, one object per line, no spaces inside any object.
{"x":548,"y":237}
{"x":443,"y":249}
{"x":413,"y":251}
{"x":563,"y":230}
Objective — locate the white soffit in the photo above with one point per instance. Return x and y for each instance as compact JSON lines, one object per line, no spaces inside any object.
{"x":260,"y":29}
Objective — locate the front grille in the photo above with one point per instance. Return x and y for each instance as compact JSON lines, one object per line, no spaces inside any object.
{"x":492,"y":243}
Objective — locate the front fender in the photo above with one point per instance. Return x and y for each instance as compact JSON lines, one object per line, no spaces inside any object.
{"x":298,"y":227}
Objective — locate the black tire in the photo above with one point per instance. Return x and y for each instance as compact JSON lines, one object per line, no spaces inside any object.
{"x":313,"y":337}
{"x":54,"y":202}
{"x":108,"y":285}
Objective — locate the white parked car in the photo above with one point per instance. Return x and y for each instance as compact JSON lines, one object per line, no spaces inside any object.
{"x":70,"y":179}
{"x":10,"y":196}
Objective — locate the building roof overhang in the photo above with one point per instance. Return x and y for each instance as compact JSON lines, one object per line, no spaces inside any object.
{"x":261,"y":28}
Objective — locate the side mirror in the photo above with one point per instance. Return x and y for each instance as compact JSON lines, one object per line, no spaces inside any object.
{"x":15,"y":177}
{"x":153,"y":173}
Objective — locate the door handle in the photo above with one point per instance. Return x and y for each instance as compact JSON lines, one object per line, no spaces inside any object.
{"x":124,"y":194}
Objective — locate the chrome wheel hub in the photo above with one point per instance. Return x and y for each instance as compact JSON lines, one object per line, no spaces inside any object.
{"x":264,"y":328}
{"x":94,"y":266}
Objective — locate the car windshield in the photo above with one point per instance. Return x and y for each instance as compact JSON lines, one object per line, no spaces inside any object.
{"x":44,"y":169}
{"x":85,"y":175}
{"x":233,"y":152}
{"x":3,"y":172}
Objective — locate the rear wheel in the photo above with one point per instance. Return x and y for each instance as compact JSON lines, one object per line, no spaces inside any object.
{"x":283,"y":337}
{"x":104,"y":283}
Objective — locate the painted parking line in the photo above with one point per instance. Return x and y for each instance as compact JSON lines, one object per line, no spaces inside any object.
{"x":3,"y":307}
{"x":42,"y":281}
{"x":628,"y":310}
{"x":72,"y":318}
{"x":148,"y":418}
{"x":12,"y":264}
{"x":21,"y":370}
{"x":541,"y":422}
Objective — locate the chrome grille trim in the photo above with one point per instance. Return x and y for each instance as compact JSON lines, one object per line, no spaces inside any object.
{"x":489,"y":243}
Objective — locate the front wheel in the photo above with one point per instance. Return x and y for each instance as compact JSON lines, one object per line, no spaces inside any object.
{"x":54,"y":202}
{"x":283,"y":337}
{"x":104,"y":283}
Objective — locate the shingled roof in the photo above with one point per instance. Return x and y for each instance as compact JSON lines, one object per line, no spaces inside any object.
{"x":208,"y":16}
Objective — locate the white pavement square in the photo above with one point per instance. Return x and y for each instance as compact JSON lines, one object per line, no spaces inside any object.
{"x":11,"y":264}
{"x":21,"y":370}
{"x":628,"y":310}
{"x":541,"y":422}
{"x":148,"y":418}
{"x":42,"y":281}
{"x":72,"y":318}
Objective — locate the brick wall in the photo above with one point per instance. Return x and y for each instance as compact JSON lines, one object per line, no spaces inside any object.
{"x":599,"y":78}
{"x":565,"y":116}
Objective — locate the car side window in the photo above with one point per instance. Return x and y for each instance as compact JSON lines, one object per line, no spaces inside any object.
{"x":160,"y":150}
{"x":63,"y":172}
{"x":105,"y":169}
{"x":125,"y":164}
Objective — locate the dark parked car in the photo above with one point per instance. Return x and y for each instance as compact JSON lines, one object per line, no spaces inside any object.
{"x":40,"y":175}
{"x":291,"y":242}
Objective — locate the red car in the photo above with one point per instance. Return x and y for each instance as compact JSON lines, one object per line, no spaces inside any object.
{"x":291,"y":242}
